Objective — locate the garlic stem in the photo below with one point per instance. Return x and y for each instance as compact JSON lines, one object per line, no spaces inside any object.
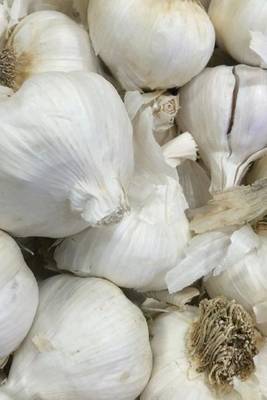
{"x":223,"y":342}
{"x":8,"y":67}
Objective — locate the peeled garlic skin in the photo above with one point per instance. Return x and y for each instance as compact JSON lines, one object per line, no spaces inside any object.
{"x":18,"y":296}
{"x":224,"y":108}
{"x":151,"y":44}
{"x":66,"y":155}
{"x":233,"y":22}
{"x":88,"y":342}
{"x":50,"y":41}
{"x":138,"y":251}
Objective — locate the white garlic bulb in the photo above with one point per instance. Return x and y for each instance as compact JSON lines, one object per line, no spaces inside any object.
{"x":196,"y":358}
{"x":233,"y":133}
{"x":243,"y":278}
{"x":45,"y":41}
{"x":151,"y":44}
{"x":88,"y":341}
{"x":137,"y":252}
{"x":241,"y":29}
{"x":56,"y":133}
{"x":18,"y":296}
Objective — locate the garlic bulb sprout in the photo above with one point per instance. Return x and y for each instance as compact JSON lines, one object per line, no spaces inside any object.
{"x":214,"y":353}
{"x":241,"y":29}
{"x":163,"y":45}
{"x":18,"y":296}
{"x":45,"y":41}
{"x":233,"y":133}
{"x":137,"y":252}
{"x":88,"y":341}
{"x":56,"y":133}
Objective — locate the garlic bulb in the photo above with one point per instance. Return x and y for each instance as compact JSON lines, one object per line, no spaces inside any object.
{"x":234,"y":131}
{"x":163,"y":45}
{"x":76,"y":9}
{"x":45,"y":41}
{"x":56,"y":133}
{"x":258,"y":171}
{"x":241,"y":29}
{"x":208,"y":354}
{"x":5,"y":93}
{"x":137,"y":252}
{"x":243,"y":278}
{"x":88,"y":341}
{"x":18,"y":296}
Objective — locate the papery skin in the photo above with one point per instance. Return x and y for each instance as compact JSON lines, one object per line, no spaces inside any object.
{"x":233,"y":133}
{"x":137,"y":252}
{"x":3,"y":25}
{"x":163,"y":45}
{"x":88,"y":342}
{"x":66,"y":155}
{"x":19,"y":296}
{"x":258,"y":171}
{"x":234,"y":22}
{"x":50,"y":41}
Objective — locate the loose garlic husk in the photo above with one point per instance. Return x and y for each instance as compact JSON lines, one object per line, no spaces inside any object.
{"x":88,"y":341}
{"x":55,"y":133}
{"x":207,"y":354}
{"x":258,"y":171}
{"x":163,"y":45}
{"x":233,"y":133}
{"x":45,"y":41}
{"x":18,"y":296}
{"x":241,"y":29}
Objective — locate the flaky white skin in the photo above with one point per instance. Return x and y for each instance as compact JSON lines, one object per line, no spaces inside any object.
{"x":236,"y":23}
{"x":18,"y":296}
{"x":66,"y":155}
{"x":151,"y":43}
{"x":88,"y":342}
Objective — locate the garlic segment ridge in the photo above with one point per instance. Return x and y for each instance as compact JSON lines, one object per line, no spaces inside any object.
{"x":55,"y":133}
{"x":163,"y":45}
{"x":45,"y":41}
{"x":94,"y":345}
{"x":18,"y":296}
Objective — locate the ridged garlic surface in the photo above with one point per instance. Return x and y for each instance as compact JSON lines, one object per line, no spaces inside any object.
{"x":137,"y":252}
{"x":18,"y":296}
{"x":88,"y":342}
{"x":240,"y":27}
{"x":151,"y":44}
{"x":224,"y":108}
{"x":45,"y":41}
{"x":66,"y":155}
{"x":174,"y":374}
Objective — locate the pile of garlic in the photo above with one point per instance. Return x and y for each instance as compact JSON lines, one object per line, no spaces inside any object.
{"x":133,"y":200}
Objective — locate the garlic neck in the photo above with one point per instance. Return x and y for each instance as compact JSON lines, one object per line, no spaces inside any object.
{"x":8,"y":67}
{"x":223,"y":342}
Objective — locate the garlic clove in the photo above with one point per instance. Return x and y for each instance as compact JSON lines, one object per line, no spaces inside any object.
{"x":70,"y":351}
{"x":46,"y":41}
{"x":52,"y":151}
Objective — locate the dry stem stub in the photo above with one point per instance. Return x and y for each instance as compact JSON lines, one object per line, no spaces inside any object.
{"x":8,"y":67}
{"x":223,"y":341}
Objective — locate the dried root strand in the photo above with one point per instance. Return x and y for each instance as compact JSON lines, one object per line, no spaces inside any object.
{"x":222,"y":342}
{"x":8,"y":67}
